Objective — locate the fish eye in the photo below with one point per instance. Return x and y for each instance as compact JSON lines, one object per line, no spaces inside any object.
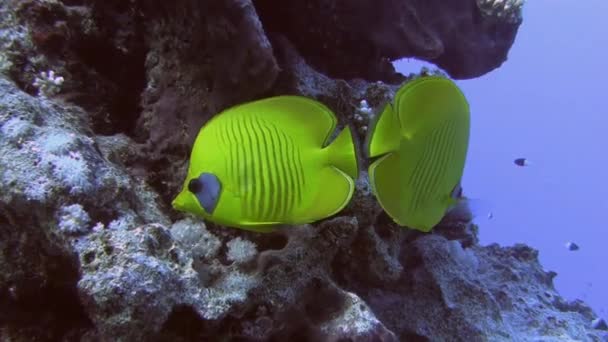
{"x":195,"y":186}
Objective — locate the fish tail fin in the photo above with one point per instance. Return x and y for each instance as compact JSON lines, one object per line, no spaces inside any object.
{"x":342,"y":153}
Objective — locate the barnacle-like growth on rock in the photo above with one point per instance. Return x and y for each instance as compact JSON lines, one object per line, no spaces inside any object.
{"x":48,"y":83}
{"x":508,"y":10}
{"x":5,"y":63}
{"x":73,"y":219}
{"x":362,"y":115}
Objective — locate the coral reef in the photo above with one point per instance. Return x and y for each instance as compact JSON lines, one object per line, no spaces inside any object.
{"x":89,"y":249}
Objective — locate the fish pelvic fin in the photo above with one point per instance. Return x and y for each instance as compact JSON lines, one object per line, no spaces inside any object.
{"x":385,"y":178}
{"x":342,"y":153}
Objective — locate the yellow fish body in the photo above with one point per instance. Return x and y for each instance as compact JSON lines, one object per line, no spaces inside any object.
{"x":266,"y":163}
{"x":422,"y":142}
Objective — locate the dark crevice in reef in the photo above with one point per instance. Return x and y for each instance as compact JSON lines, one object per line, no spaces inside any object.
{"x":104,"y":52}
{"x":273,"y":241}
{"x":127,"y":73}
{"x":320,"y":291}
{"x":298,"y":328}
{"x":41,"y":301}
{"x":325,"y":39}
{"x":412,"y":337}
{"x":183,"y":324}
{"x":158,"y":170}
{"x":47,"y":312}
{"x":122,"y":68}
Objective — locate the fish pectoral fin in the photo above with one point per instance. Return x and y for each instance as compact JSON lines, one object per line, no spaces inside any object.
{"x":336,"y":189}
{"x":384,"y":178}
{"x":385,"y":133}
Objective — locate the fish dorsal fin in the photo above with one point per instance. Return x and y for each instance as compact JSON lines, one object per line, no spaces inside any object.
{"x":304,"y":119}
{"x":425,"y":103}
{"x":384,"y":134}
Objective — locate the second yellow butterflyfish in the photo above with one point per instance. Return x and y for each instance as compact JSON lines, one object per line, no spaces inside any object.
{"x":421,"y":142}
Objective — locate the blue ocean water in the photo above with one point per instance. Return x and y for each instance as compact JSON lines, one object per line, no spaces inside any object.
{"x":547,"y":103}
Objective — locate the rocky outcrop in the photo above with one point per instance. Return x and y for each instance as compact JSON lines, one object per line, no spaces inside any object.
{"x":358,"y":38}
{"x":89,"y":249}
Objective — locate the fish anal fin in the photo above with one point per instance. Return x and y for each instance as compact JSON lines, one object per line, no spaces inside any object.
{"x":383,"y":176}
{"x":335,"y":189}
{"x":260,"y":227}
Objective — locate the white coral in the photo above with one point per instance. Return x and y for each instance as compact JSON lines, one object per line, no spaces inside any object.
{"x":48,"y":83}
{"x":241,"y":251}
{"x":356,"y":319}
{"x":73,"y":219}
{"x":5,"y":63}
{"x":71,"y":169}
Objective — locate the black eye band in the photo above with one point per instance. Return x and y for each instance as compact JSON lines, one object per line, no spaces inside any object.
{"x":195,"y":186}
{"x":206,"y":188}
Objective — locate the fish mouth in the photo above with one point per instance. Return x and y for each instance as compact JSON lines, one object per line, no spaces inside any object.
{"x":179,"y":202}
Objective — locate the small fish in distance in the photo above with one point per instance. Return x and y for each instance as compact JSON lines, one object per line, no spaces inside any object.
{"x":521,"y":162}
{"x":572,"y":246}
